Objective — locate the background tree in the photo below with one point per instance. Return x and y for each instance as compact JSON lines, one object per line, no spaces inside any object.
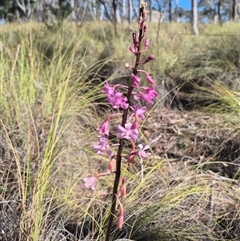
{"x":130,"y":10}
{"x":206,"y":14}
{"x":170,"y":9}
{"x":195,"y":17}
{"x":234,"y":7}
{"x":150,"y":10}
{"x":176,"y":12}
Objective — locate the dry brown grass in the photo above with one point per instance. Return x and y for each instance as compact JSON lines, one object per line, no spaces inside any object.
{"x":46,"y":136}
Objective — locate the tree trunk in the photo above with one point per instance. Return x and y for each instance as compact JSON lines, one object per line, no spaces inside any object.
{"x":101,"y":15}
{"x":219,"y":12}
{"x":73,"y":12}
{"x":114,"y":6}
{"x":124,"y":10}
{"x":150,"y":10}
{"x":195,"y":17}
{"x":130,"y":9}
{"x":234,"y":4}
{"x":177,"y":17}
{"x":170,"y":10}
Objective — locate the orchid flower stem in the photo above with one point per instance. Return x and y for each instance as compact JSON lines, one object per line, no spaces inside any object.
{"x":121,"y":143}
{"x":142,"y":172}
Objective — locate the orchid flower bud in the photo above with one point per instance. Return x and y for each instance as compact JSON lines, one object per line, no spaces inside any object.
{"x":145,"y":29}
{"x":134,"y":37}
{"x":135,"y":124}
{"x":133,"y":50}
{"x":150,"y":79}
{"x":104,"y":127}
{"x":149,"y":58}
{"x":121,"y":216}
{"x":111,"y":166}
{"x":123,"y":190}
{"x":137,"y":43}
{"x":136,"y":80}
{"x":128,"y":66}
{"x":147,"y":42}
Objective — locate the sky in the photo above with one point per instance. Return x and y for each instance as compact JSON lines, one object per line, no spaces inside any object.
{"x":186,"y":4}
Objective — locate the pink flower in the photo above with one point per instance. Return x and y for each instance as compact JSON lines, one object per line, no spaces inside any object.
{"x":128,"y":132}
{"x":109,"y":90}
{"x":117,"y":100}
{"x":139,"y":111}
{"x":90,"y":182}
{"x":104,"y":127}
{"x":102,"y":147}
{"x":142,"y":152}
{"x":148,"y":96}
{"x":136,"y":80}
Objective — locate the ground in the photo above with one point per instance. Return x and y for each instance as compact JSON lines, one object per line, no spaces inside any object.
{"x":205,"y":140}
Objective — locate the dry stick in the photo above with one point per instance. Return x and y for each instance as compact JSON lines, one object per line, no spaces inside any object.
{"x":121,"y":141}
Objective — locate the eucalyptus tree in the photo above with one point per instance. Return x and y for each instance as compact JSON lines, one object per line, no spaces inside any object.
{"x":206,"y":15}
{"x":130,"y":11}
{"x":177,"y":12}
{"x":111,"y":8}
{"x":217,"y":11}
{"x":234,"y":9}
{"x":170,"y":10}
{"x":195,"y":17}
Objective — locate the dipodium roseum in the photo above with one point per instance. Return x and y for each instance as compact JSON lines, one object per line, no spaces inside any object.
{"x":128,"y":132}
{"x":150,"y":79}
{"x":136,"y":80}
{"x":139,"y":111}
{"x":90,"y":182}
{"x":142,"y":152}
{"x":125,"y":102}
{"x":103,"y":146}
{"x":104,"y":128}
{"x":117,"y":100}
{"x":121,"y":215}
{"x":148,"y":96}
{"x":109,"y":90}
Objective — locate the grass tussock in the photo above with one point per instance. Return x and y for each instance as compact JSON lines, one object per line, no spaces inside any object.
{"x":51,"y":104}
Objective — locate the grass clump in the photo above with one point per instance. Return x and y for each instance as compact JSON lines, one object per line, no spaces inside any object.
{"x":40,"y":98}
{"x":209,"y":74}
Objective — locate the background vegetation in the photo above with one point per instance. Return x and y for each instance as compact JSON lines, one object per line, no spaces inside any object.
{"x":51,"y":104}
